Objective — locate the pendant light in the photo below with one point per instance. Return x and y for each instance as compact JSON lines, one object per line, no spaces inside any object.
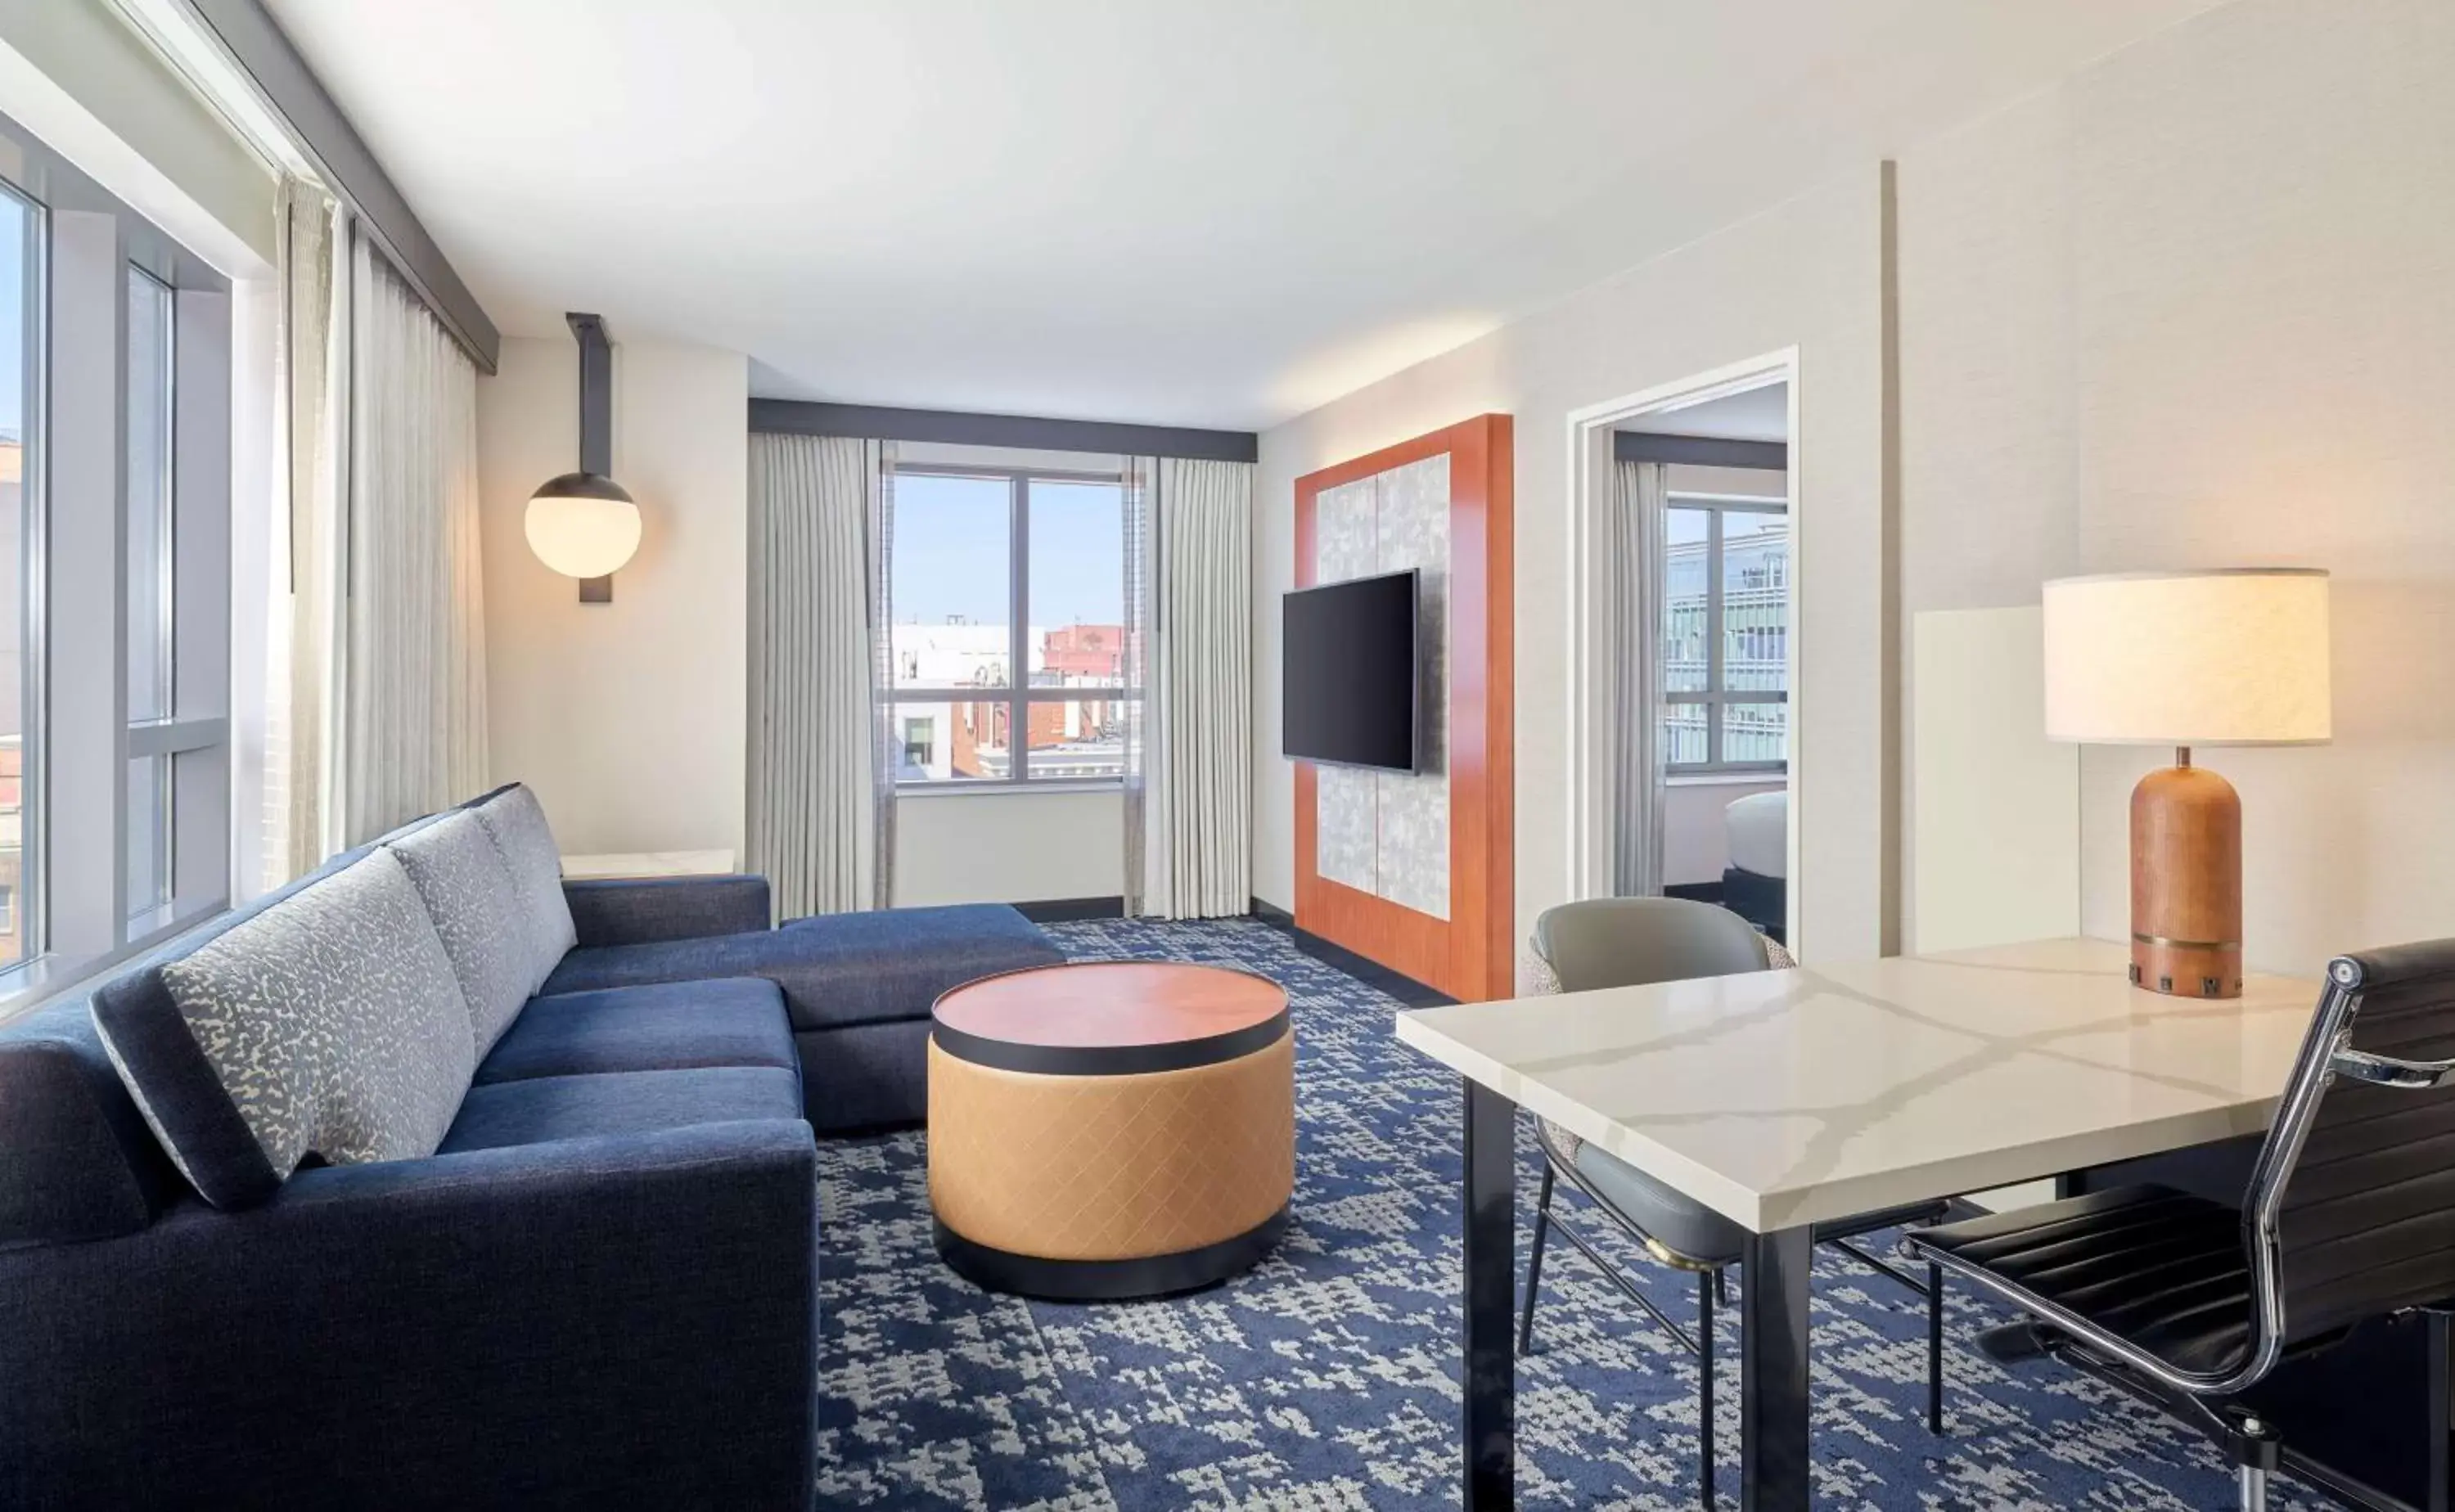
{"x":583,"y":524}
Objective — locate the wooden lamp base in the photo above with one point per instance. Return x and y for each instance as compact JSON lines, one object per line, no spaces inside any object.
{"x":2186,"y":882}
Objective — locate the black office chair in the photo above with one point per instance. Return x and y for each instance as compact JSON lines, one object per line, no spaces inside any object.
{"x":2350,"y":1216}
{"x":1628,"y":942}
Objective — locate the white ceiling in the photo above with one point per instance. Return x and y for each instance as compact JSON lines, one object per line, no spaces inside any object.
{"x":1750,"y":415}
{"x":1190,"y":212}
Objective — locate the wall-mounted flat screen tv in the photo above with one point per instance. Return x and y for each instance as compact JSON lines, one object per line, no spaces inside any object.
{"x":1352,"y":673}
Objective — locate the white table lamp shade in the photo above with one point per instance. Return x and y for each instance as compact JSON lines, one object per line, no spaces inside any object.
{"x":2188,"y":658}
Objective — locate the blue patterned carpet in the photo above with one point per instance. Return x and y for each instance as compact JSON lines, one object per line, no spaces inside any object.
{"x":1327,"y":1379}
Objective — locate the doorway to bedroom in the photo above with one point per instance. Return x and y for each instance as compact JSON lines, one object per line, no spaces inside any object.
{"x":1693,"y":658}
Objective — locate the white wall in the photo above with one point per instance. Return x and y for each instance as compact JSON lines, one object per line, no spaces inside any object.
{"x":1008,"y":847}
{"x":628,"y":718}
{"x":1805,"y":273}
{"x":2193,"y":307}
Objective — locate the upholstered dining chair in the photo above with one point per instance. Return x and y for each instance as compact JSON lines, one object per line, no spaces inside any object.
{"x":1628,"y":942}
{"x":2350,"y":1216}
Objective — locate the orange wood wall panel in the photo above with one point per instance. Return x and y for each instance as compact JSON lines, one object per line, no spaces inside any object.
{"x":1468,"y":955}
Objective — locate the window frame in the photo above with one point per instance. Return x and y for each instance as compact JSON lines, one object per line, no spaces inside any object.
{"x":1717,"y":694}
{"x":71,"y":902}
{"x":143,"y":743}
{"x":1017,"y":694}
{"x":28,"y":912}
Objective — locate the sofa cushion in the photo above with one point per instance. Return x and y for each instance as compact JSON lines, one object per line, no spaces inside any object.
{"x":838,"y":968}
{"x":866,"y":1077}
{"x":545,"y":1108}
{"x":733,"y":1021}
{"x":517,"y":824}
{"x":469,"y":893}
{"x":329,"y":1024}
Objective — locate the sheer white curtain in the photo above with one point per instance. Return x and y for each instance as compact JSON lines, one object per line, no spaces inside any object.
{"x":302,"y":638}
{"x":415,"y":671}
{"x":1636,"y":556}
{"x":1197,"y":835}
{"x":1136,"y":475}
{"x":822,"y":781}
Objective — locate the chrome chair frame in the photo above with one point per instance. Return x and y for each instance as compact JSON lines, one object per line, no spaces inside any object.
{"x":1712,"y":1288}
{"x":2325,"y":1055}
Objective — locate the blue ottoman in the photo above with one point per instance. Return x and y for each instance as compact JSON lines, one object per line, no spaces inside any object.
{"x":858,"y":988}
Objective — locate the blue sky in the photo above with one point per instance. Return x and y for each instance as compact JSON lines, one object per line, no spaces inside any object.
{"x":951,"y":544}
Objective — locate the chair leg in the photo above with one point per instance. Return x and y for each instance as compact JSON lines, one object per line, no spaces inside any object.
{"x":1708,"y":1283}
{"x":2256,"y":1452}
{"x":1935,"y":1348}
{"x":1534,"y":1265}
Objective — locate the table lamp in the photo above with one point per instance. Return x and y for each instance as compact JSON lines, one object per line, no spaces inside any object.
{"x":2230,"y":657}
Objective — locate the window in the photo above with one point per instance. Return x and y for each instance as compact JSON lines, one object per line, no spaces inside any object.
{"x":1007,"y":626}
{"x":1726,"y":635}
{"x":21,"y":284}
{"x":150,"y":403}
{"x":115,"y":677}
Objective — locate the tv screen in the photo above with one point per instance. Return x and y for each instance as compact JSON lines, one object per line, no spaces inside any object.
{"x":1352,"y":674}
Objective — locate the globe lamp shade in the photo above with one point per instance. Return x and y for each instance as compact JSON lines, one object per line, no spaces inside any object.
{"x":582,"y":525}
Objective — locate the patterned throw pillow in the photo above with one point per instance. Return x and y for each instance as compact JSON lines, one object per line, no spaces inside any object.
{"x":334,"y":1021}
{"x":519,"y":830}
{"x":477,"y":911}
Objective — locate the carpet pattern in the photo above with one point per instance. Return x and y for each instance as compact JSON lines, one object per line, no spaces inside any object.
{"x":1326,"y":1380}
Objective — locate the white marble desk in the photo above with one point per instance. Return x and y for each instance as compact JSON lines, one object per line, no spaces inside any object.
{"x":1784,"y":1099}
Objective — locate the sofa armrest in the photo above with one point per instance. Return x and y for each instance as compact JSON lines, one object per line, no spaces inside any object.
{"x":640,"y":910}
{"x":627,"y":1320}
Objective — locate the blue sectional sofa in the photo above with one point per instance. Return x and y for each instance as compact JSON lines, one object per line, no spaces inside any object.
{"x":434,"y":1181}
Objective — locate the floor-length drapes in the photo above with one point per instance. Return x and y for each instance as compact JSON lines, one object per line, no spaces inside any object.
{"x":302,"y":638}
{"x":819,"y":774}
{"x":1137,"y":476}
{"x":1198,"y":862}
{"x":414,"y":669}
{"x":1636,"y":557}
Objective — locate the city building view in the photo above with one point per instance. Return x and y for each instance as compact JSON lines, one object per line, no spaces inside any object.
{"x":12,"y":702}
{"x":967,"y":546}
{"x":961,"y":739}
{"x":1726,"y":574}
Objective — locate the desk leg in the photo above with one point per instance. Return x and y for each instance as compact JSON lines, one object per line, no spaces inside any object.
{"x":1491,"y":1299}
{"x":1773,"y":1371}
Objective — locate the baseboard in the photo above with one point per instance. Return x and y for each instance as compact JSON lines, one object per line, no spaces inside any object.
{"x":1067,"y":910}
{"x":1363,"y":968}
{"x":1700,"y":892}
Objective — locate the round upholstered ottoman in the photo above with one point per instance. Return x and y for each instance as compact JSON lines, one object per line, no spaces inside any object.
{"x":1110,"y":1129}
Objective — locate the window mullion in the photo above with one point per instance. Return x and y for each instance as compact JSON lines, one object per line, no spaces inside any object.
{"x":1713,"y":670}
{"x":1018,"y":740}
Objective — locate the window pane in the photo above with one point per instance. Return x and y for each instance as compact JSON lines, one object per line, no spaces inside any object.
{"x":148,"y":833}
{"x":148,"y":498}
{"x":1685,"y":668}
{"x":1683,"y":734}
{"x":18,"y":263}
{"x":1756,"y":603}
{"x":1078,"y":737}
{"x":952,"y":586}
{"x":952,"y":743}
{"x":1755,"y":732}
{"x":1077,"y":585}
